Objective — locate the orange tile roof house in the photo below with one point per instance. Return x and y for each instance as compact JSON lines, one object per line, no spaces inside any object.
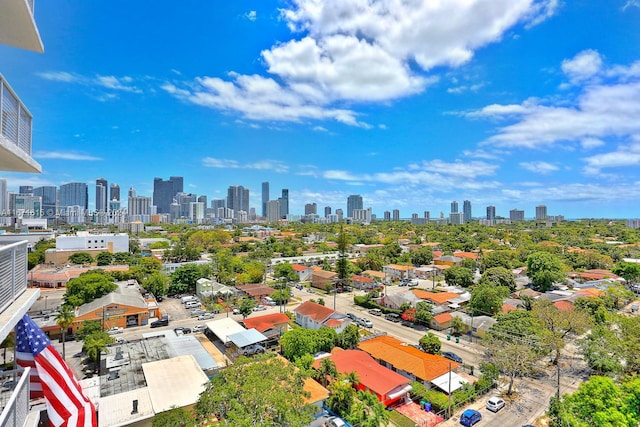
{"x":304,"y":273}
{"x":395,"y":271}
{"x":407,"y":360}
{"x":388,"y":386}
{"x":323,"y":279}
{"x":269,"y":324}
{"x":312,"y":315}
{"x":441,"y":321}
{"x":437,"y":298}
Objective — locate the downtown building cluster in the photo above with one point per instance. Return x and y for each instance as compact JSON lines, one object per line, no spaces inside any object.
{"x":69,"y":204}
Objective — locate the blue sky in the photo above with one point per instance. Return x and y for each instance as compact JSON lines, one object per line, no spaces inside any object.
{"x":411,"y":104}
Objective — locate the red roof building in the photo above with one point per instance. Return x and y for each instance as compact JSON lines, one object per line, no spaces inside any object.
{"x":407,"y":360}
{"x":312,"y":315}
{"x":388,"y":386}
{"x":269,"y":324}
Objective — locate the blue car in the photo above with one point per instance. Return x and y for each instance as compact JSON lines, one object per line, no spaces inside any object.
{"x":469,"y":417}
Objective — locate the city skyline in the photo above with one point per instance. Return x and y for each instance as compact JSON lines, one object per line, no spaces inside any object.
{"x":524,"y":104}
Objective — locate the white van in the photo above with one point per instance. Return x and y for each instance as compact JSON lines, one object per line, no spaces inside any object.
{"x":188,"y":298}
{"x":268,"y":301}
{"x":192,"y":304}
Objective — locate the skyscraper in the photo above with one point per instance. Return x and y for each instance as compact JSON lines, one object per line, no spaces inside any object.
{"x":353,"y":202}
{"x":27,"y":190}
{"x":238,"y":198}
{"x":541,"y":212}
{"x":165,"y":191}
{"x":273,"y":210}
{"x":327,"y":211}
{"x":74,"y":194}
{"x":101,"y":194}
{"x":4,"y":198}
{"x":491,"y":213}
{"x":454,"y":207}
{"x":516,"y":215}
{"x":466,"y":210}
{"x":48,"y":195}
{"x":311,"y":208}
{"x":114,"y":192}
{"x":265,"y":197}
{"x":396,"y":215}
{"x":284,"y":203}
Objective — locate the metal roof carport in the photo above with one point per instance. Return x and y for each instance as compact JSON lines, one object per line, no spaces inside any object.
{"x":222,"y":328}
{"x":247,"y":337}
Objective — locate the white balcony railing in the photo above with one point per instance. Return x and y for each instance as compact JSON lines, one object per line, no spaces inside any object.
{"x":15,"y":119}
{"x":13,"y":272}
{"x":15,"y":404}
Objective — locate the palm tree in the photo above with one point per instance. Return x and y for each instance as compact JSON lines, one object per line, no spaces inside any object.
{"x":64,"y":319}
{"x":327,"y":371}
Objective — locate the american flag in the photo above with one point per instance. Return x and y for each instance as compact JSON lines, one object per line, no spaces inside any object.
{"x":52,"y":379}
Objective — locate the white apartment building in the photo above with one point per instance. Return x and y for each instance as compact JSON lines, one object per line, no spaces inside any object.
{"x":84,"y":240}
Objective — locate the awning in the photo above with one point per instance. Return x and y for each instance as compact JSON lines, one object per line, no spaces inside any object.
{"x":403,"y":390}
{"x":442,"y":382}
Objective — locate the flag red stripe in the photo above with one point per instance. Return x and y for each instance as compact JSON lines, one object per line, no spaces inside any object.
{"x":62,"y":391}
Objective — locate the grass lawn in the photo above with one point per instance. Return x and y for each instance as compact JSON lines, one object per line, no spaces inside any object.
{"x":400,"y":420}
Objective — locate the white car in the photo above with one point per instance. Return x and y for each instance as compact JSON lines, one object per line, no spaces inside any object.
{"x":115,"y":330}
{"x":206,"y":316}
{"x":363,"y":321}
{"x":259,"y":308}
{"x":494,"y":404}
{"x":199,"y":328}
{"x":335,"y":422}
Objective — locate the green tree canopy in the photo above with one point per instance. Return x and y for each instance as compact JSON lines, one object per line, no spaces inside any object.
{"x":104,"y":258}
{"x":157,"y":283}
{"x":486,"y":299}
{"x":499,"y":276}
{"x":88,"y":286}
{"x":430,"y":343}
{"x":244,"y":395}
{"x":544,"y":269}
{"x":81,"y":258}
{"x":458,"y":276}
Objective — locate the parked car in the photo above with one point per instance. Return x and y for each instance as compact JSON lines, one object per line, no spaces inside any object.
{"x":495,"y":403}
{"x":115,"y":330}
{"x":206,"y":316}
{"x":197,"y":312}
{"x":470,"y":417}
{"x":452,"y":356}
{"x":363,"y":321}
{"x":259,"y":308}
{"x":394,"y":317}
{"x":407,"y":323}
{"x":352,"y":316}
{"x":236,"y":311}
{"x":8,"y":384}
{"x":199,"y":328}
{"x":375,"y":311}
{"x":335,"y":422}
{"x":160,"y":322}
{"x":120,"y":340}
{"x":250,"y":350}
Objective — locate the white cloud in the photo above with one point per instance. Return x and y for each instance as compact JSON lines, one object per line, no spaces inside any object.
{"x":272,"y":165}
{"x":115,"y":83}
{"x":624,"y":156}
{"x":600,"y":111}
{"x":64,"y":156}
{"x":542,"y":168}
{"x":583,"y":66}
{"x":60,"y":76}
{"x":119,"y":84}
{"x":362,"y":51}
{"x":251,"y":15}
{"x":630,"y":3}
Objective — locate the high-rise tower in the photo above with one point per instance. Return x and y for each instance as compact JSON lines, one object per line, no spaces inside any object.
{"x":353,"y":202}
{"x":101,"y":195}
{"x":265,"y":198}
{"x":165,"y":191}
